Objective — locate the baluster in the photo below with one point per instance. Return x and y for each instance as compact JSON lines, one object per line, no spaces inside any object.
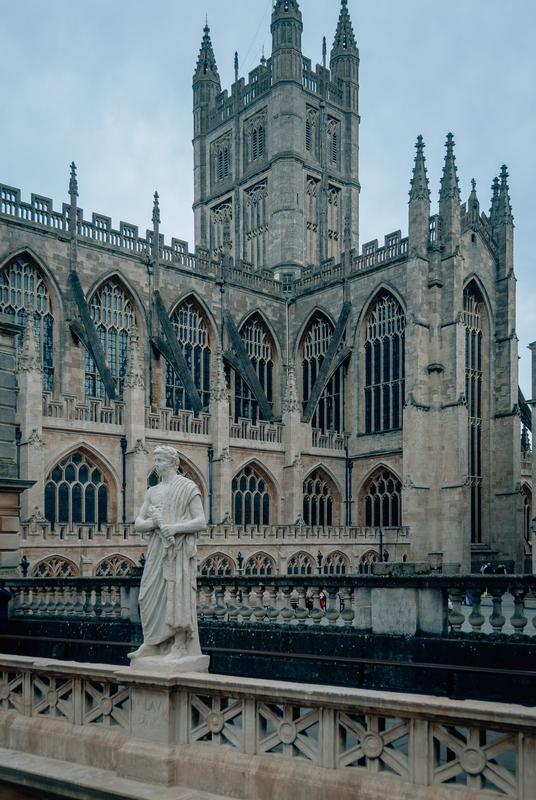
{"x":476,"y":618}
{"x":259,"y":611}
{"x":246,"y":611}
{"x":117,"y":601}
{"x":16,"y":603}
{"x":332,"y":612}
{"x":69,"y":605}
{"x":456,"y":618}
{"x":497,"y":619}
{"x":518,"y":618}
{"x":97,"y":608}
{"x":59,"y":604}
{"x":348,"y":612}
{"x":272,"y":610}
{"x":317,"y":612}
{"x":287,"y":612}
{"x":89,"y":604}
{"x":302,"y":612}
{"x":41,"y":609}
{"x":232,"y":608}
{"x":220,"y":609}
{"x":107,"y":608}
{"x":78,"y":609}
{"x":33,"y":604}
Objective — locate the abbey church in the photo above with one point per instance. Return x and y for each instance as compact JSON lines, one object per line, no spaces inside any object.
{"x":333,"y":400}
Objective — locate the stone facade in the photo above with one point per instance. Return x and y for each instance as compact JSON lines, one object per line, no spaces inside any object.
{"x":317,"y":395}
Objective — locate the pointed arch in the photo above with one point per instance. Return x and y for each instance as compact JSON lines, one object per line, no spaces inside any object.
{"x":358,"y":337}
{"x":384,"y":362}
{"x":114,"y":566}
{"x":380,"y":498}
{"x":128,"y":287}
{"x":80,"y":490}
{"x":192,"y":329}
{"x":113,"y":312}
{"x":23,"y":290}
{"x":321,"y":499}
{"x":328,"y":415}
{"x":195,"y":297}
{"x":260,"y":564}
{"x":217,"y":565}
{"x":476,"y":280}
{"x":301,"y":563}
{"x":261,"y":347}
{"x":55,"y":566}
{"x":48,"y":275}
{"x":253,"y":495}
{"x":366,"y":560}
{"x":318,"y":309}
{"x":336,"y":563}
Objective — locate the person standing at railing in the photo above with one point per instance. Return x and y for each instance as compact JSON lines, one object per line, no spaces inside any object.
{"x":5,"y":597}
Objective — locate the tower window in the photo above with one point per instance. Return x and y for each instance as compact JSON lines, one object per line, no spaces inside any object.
{"x":308,"y":135}
{"x":223,"y":163}
{"x":472,"y":307}
{"x":383,"y":507}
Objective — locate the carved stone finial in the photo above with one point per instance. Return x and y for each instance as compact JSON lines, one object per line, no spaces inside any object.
{"x":156,"y":210}
{"x":450,"y":188}
{"x":30,"y":357}
{"x":291,"y":403}
{"x":504,"y":206}
{"x":134,"y":377}
{"x":73,"y":183}
{"x":419,"y":182}
{"x":236,"y":66}
{"x":219,"y":392}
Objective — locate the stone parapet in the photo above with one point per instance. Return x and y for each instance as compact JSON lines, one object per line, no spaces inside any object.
{"x":253,"y":739}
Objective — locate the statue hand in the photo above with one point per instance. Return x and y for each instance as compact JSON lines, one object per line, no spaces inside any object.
{"x":167,"y":531}
{"x":157,"y":518}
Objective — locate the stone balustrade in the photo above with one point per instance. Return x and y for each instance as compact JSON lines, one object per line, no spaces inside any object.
{"x":261,"y":738}
{"x":382,"y":604}
{"x":229,"y":532}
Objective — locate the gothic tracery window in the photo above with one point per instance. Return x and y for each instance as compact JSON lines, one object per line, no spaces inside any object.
{"x":251,"y":498}
{"x":318,"y":505}
{"x":328,"y":414}
{"x":115,"y":566}
{"x":311,"y":220}
{"x":256,"y":225}
{"x":301,"y":564}
{"x":383,"y":503}
{"x":384,"y":365}
{"x":113,"y":314}
{"x":217,"y":565}
{"x":76,"y":492}
{"x":257,"y":142}
{"x":22,"y":288}
{"x":333,"y":141}
{"x":55,"y":567}
{"x":260,"y":349}
{"x":473,"y":309}
{"x":259,"y":564}
{"x":191,"y":328}
{"x":221,"y":217}
{"x":335,"y":564}
{"x":334,"y":212}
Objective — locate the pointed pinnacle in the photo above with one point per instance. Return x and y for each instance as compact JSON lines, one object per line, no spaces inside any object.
{"x":420,"y":189}
{"x":73,"y":183}
{"x":344,"y":35}
{"x":505,"y":207}
{"x":450,"y":189}
{"x":156,"y":210}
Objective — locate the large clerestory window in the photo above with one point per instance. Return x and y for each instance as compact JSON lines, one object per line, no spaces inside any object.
{"x":384,"y":365}
{"x":23,"y":292}
{"x":328,"y":414}
{"x":473,"y":309}
{"x":191,"y":328}
{"x":113,"y":314}
{"x":260,"y":349}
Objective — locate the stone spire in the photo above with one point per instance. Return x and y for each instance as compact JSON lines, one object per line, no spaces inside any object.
{"x":73,"y":194}
{"x":218,"y":389}
{"x":419,"y":183}
{"x":291,"y":401}
{"x":419,"y":205}
{"x":156,"y":210}
{"x":206,"y":68}
{"x":134,"y":377}
{"x":450,"y":189}
{"x":473,"y":206}
{"x":283,"y":8}
{"x":344,"y":42}
{"x":30,"y":357}
{"x":504,"y":206}
{"x":494,"y":210}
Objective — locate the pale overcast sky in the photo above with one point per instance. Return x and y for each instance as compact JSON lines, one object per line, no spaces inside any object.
{"x":107,"y":83}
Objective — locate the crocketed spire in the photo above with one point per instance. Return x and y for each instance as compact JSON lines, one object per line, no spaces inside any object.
{"x":450,"y":189}
{"x":494,"y":210}
{"x":419,"y":183}
{"x":283,"y":7}
{"x":156,"y":210}
{"x":206,"y":62}
{"x":505,"y":207}
{"x":473,"y":206}
{"x":344,"y":36}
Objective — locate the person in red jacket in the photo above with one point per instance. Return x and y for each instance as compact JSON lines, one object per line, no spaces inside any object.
{"x":5,"y":597}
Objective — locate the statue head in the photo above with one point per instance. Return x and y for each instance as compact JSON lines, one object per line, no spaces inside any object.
{"x":170,"y":455}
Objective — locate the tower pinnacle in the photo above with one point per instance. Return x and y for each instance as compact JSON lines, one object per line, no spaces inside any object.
{"x":505,"y":207}
{"x":450,"y":189}
{"x":206,"y":63}
{"x":419,"y":183}
{"x":344,"y":35}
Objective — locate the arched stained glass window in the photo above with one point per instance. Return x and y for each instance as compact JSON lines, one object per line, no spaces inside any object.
{"x":21,"y":288}
{"x":317,"y":500}
{"x":251,"y":498}
{"x":335,"y":564}
{"x":260,"y":349}
{"x":301,"y":564}
{"x":367,"y":560}
{"x":114,"y":566}
{"x":259,"y":564}
{"x":384,"y":365}
{"x":473,"y":309}
{"x":383,"y":504}
{"x":191,"y":328}
{"x":76,"y":492}
{"x":113,"y":314}
{"x":55,"y":567}
{"x":328,"y":414}
{"x":217,"y":565}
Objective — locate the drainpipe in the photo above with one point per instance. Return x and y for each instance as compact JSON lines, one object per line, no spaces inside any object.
{"x":123,"y":443}
{"x":210,"y":452}
{"x":348,"y":501}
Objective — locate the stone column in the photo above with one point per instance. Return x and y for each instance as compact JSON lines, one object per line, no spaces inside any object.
{"x":134,"y":422}
{"x":292,"y":440}
{"x":219,"y":427}
{"x":30,"y":418}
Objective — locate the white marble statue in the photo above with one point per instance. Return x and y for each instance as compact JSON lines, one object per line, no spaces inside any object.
{"x":172,"y":513}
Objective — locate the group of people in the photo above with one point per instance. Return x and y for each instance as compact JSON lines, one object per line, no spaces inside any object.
{"x":322,"y":598}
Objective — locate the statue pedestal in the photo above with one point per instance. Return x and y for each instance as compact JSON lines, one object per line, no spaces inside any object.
{"x":169,"y":665}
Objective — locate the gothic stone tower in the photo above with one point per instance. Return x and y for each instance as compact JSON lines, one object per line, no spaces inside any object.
{"x":276,"y":162}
